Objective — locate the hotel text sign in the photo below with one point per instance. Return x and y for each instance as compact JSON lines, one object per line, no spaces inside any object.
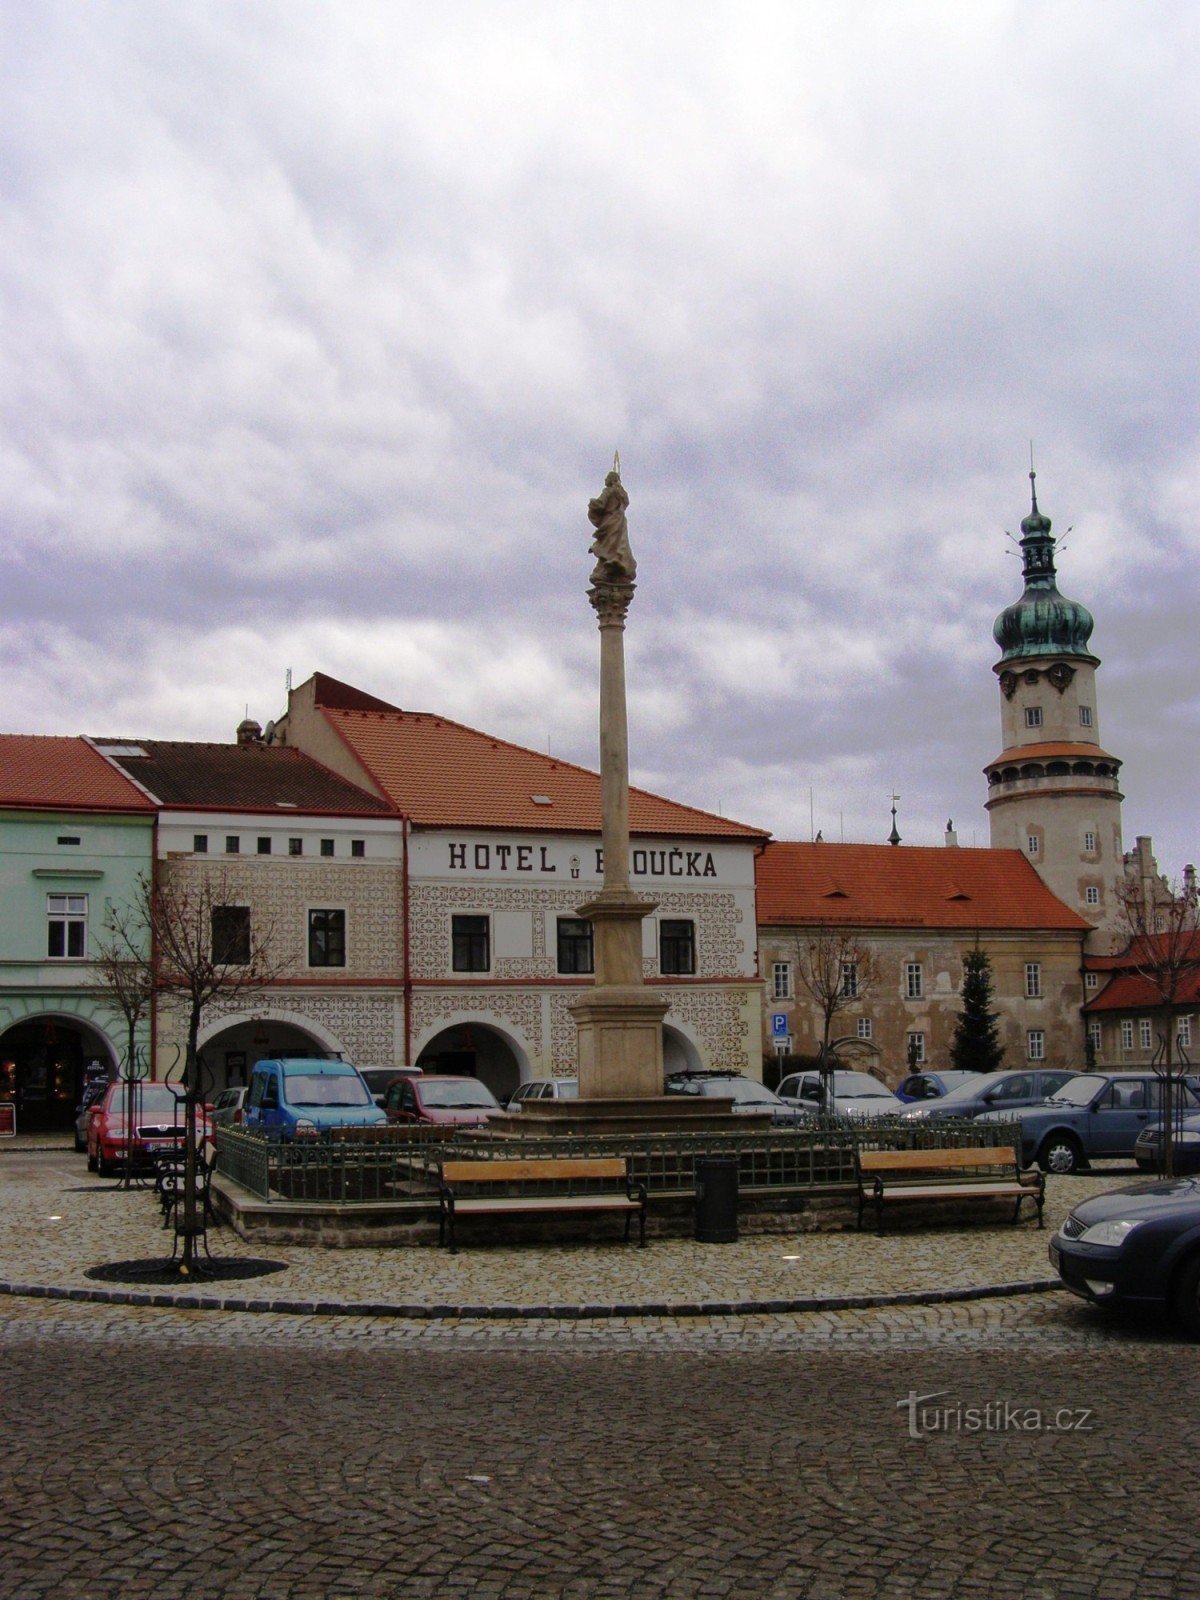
{"x":673,"y":862}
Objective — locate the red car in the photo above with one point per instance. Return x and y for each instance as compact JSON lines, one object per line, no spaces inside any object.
{"x":158,"y":1126}
{"x":437,"y":1099}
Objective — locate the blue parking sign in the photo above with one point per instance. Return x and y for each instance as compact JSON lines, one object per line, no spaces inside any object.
{"x":779,"y":1025}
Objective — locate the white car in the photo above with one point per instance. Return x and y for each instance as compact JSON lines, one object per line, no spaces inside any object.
{"x":855,"y":1094}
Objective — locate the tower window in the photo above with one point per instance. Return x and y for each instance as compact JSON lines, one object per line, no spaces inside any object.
{"x":1091,"y":895}
{"x":1085,"y":716}
{"x":1089,"y":842}
{"x":1034,"y":844}
{"x":1033,"y":716}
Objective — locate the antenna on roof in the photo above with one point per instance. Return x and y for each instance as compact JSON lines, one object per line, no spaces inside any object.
{"x":287,"y":681}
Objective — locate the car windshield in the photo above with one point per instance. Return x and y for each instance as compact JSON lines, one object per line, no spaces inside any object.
{"x":859,"y":1086}
{"x":1078,"y":1091}
{"x":326,"y":1089}
{"x":458,"y":1097}
{"x":978,"y":1083}
{"x":741,"y":1090}
{"x":154,"y":1097}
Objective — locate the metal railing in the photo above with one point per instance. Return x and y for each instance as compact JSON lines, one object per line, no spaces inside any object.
{"x":401,"y":1165}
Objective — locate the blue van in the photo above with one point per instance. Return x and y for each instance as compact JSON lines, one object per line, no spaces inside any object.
{"x":303,"y":1096}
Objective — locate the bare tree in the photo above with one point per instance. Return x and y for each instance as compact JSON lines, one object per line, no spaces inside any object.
{"x":1163,"y":951}
{"x":839,"y":969}
{"x":124,"y":971}
{"x":203,"y":947}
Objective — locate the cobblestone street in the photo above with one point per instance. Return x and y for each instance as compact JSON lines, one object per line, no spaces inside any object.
{"x":195,"y":1455}
{"x":191,"y":1455}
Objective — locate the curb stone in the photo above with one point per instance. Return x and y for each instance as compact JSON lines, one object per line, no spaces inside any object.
{"x":580,"y":1313}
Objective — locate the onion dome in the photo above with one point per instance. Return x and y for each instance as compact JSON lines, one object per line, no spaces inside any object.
{"x":1042,"y":622}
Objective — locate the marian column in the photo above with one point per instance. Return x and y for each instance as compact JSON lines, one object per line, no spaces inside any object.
{"x":619,"y":1021}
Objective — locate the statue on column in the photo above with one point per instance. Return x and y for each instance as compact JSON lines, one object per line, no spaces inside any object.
{"x":606,"y":513}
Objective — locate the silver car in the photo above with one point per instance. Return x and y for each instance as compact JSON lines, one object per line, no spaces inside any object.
{"x":855,"y":1094}
{"x":538,"y":1089}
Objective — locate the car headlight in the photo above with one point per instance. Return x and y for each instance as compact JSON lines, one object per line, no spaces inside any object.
{"x":305,"y":1128}
{"x":1110,"y":1233}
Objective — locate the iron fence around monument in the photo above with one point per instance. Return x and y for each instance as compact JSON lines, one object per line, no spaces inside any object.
{"x":400,"y":1165}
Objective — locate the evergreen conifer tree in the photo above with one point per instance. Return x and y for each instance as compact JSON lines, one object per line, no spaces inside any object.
{"x":976,"y":1045}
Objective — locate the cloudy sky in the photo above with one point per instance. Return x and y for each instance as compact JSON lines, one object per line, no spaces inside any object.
{"x":320,"y":323}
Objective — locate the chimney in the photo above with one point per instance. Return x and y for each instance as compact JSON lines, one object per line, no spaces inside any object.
{"x":951,"y":836}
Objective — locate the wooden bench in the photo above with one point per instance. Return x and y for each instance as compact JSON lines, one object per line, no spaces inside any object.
{"x":990,"y":1173}
{"x":534,"y":1187}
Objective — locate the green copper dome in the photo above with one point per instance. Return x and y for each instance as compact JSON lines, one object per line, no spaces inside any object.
{"x":1042,"y":622}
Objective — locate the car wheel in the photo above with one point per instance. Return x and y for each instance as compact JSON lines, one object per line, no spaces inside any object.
{"x":1060,"y":1154}
{"x":80,"y":1145}
{"x":91,"y":1162}
{"x":102,"y":1166}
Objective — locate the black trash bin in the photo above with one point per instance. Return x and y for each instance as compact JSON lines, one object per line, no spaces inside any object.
{"x":717,"y":1201}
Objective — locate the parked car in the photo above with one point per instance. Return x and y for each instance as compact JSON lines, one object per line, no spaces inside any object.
{"x":379,"y":1079}
{"x":439,"y":1099}
{"x":158,"y":1126}
{"x":993,"y":1091}
{"x":855,"y":1094}
{"x":1136,"y":1246}
{"x":747,"y":1095}
{"x":93,"y":1092}
{"x":229,"y":1107}
{"x":544,"y":1089}
{"x":1185,"y":1154}
{"x":303,"y":1096}
{"x":932,"y":1085}
{"x":1093,"y":1116}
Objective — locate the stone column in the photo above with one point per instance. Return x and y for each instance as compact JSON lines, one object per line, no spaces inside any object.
{"x":619,"y":1021}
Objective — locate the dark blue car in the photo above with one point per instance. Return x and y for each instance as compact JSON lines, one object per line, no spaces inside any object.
{"x":1136,"y":1246}
{"x":1093,"y":1116}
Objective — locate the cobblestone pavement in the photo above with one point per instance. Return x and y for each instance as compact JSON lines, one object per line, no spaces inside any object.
{"x":217,"y":1455}
{"x":57,"y":1220}
{"x":191,"y":1456}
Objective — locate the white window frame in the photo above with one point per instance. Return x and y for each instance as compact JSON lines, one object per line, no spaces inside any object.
{"x":1091,"y":980}
{"x":1145,"y":1034}
{"x":1095,"y":1035}
{"x":1033,"y":980}
{"x":1089,"y":842}
{"x":920,"y":1058}
{"x":1126,"y":1033}
{"x":1184,"y":1032}
{"x":781,"y":980}
{"x":850,"y":980}
{"x":1033,"y":716}
{"x":1091,"y":895}
{"x":1035,"y":1044}
{"x":68,"y":912}
{"x":914,"y":980}
{"x":864,"y":1027}
{"x":1033,"y":844}
{"x":1085,"y":716}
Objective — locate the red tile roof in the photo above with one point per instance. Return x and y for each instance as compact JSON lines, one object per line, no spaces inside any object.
{"x":442,"y":774}
{"x":1131,"y":991}
{"x":1051,"y":752}
{"x":62,"y":774}
{"x":868,"y":885}
{"x":240,"y":777}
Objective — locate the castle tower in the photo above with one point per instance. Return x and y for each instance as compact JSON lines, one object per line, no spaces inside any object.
{"x":1052,"y":791}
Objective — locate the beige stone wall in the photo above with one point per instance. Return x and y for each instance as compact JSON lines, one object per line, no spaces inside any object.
{"x":893,"y":1016}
